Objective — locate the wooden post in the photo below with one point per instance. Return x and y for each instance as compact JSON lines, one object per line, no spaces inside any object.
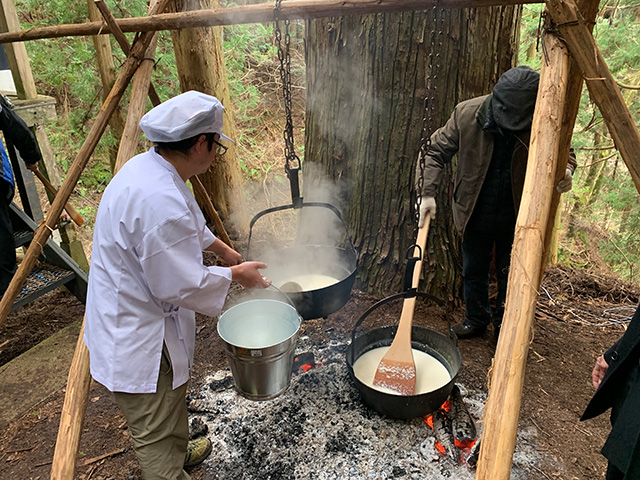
{"x":218,"y":226}
{"x":259,"y":13}
{"x":589,"y":9}
{"x":505,"y":390}
{"x":98,"y":127}
{"x":140,"y":89}
{"x":79,"y":380}
{"x":601,"y":84}
{"x":124,"y":44}
{"x":17,"y":53}
{"x":107,"y":70}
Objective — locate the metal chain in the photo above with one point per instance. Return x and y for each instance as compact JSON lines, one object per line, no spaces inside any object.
{"x":429,"y":104}
{"x":285,"y":78}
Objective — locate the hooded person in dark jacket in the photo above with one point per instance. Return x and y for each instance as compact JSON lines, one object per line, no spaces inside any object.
{"x":490,"y":134}
{"x":16,"y":131}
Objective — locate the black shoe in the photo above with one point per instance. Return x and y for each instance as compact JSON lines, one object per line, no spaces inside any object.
{"x":462,"y":330}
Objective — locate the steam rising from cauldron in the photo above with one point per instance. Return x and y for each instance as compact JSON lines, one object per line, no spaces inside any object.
{"x":280,"y":243}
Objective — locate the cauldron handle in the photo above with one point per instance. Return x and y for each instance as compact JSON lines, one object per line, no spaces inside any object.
{"x":386,"y":300}
{"x":290,"y":206}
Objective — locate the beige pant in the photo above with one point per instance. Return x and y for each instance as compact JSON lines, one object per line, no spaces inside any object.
{"x":159,"y":426}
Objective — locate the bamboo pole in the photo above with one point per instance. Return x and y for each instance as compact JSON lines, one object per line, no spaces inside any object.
{"x":601,"y":84}
{"x":255,"y":13}
{"x":507,"y":379}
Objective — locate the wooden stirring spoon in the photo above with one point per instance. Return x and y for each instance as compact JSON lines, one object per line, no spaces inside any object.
{"x":397,"y":369}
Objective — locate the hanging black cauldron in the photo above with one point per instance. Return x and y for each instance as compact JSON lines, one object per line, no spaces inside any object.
{"x":317,"y":278}
{"x":439,"y":346}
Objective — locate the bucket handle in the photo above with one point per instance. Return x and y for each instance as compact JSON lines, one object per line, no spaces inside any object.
{"x":237,"y":286}
{"x":386,"y":300}
{"x":290,"y":206}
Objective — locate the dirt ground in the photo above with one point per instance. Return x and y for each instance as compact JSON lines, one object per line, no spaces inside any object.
{"x":568,"y":337}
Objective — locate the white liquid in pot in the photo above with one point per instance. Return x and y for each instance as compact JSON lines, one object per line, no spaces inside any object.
{"x":311,"y":282}
{"x":430,"y":373}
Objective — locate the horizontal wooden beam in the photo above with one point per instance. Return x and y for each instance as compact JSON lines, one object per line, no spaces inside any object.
{"x":256,"y":13}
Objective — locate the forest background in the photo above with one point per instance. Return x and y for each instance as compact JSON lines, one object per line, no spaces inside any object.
{"x":599,"y":219}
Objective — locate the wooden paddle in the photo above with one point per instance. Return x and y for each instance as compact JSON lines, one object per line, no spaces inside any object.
{"x":397,"y":369}
{"x":75,"y":216}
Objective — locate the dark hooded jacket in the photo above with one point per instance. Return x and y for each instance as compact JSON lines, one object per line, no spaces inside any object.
{"x":470,"y":133}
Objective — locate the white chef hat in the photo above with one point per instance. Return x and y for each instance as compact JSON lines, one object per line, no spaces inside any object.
{"x":184,"y":116}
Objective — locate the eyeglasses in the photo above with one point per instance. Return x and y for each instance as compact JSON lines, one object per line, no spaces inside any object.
{"x":220,"y":149}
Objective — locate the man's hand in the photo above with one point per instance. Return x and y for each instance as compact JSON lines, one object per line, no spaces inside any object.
{"x":248,"y":275}
{"x":231,"y":257}
{"x":427,"y":205}
{"x":598,"y":371}
{"x":225,"y":252}
{"x":31,"y":166}
{"x":566,"y":183}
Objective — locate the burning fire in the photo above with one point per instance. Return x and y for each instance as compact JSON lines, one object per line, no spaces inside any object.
{"x":464,"y":446}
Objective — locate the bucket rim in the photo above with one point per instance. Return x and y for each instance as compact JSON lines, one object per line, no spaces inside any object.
{"x":297,"y":318}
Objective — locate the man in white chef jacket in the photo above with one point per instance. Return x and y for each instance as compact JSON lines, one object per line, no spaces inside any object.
{"x":147,"y":279}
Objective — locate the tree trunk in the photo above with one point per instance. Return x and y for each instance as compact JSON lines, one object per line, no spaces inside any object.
{"x":366,"y":85}
{"x":201,"y":67}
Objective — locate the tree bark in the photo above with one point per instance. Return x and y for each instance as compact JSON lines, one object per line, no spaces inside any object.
{"x":201,"y":67}
{"x":366,"y":84}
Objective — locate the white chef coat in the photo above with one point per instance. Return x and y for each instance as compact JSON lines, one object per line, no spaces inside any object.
{"x":147,"y":277}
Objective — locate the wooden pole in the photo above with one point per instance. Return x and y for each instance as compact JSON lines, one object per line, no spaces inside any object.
{"x":79,"y":380}
{"x":589,"y":9}
{"x":124,"y":44}
{"x":17,"y":53}
{"x":218,"y":226}
{"x":98,"y":127}
{"x":108,"y":72}
{"x":255,"y":13}
{"x":601,"y":84}
{"x":140,"y":89}
{"x":73,"y":213}
{"x":507,"y":379}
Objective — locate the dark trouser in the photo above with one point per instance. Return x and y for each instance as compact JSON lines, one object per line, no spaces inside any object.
{"x":7,"y":242}
{"x":480,"y":237}
{"x":159,"y":426}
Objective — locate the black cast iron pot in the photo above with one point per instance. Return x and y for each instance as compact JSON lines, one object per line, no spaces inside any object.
{"x":441,"y":347}
{"x":312,"y":260}
{"x":287,"y":264}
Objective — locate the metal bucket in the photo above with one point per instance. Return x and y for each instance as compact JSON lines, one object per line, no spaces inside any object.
{"x":260,"y":340}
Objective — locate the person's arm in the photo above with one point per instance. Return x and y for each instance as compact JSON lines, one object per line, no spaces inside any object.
{"x":443,"y":146}
{"x":17,"y":132}
{"x":225,"y":252}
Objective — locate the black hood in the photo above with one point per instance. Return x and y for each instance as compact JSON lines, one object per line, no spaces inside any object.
{"x":514,"y":98}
